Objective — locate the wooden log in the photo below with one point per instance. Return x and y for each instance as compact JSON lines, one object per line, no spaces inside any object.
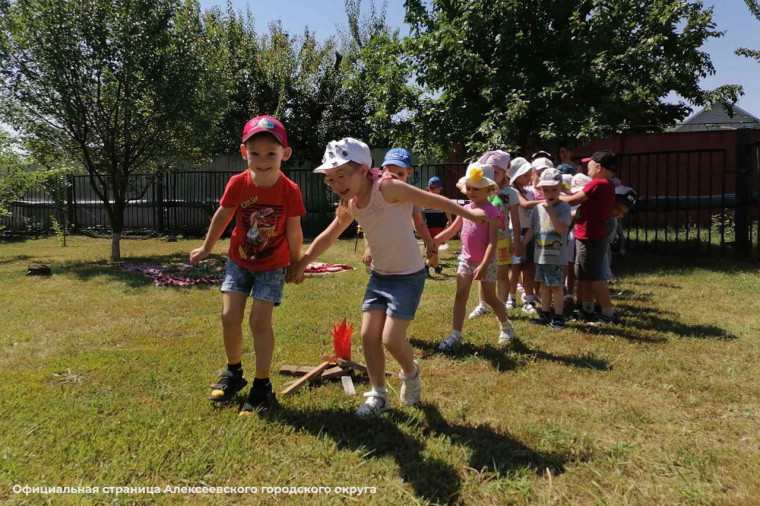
{"x":305,"y":379}
{"x":334,"y":372}
{"x":357,"y":366}
{"x":295,"y":370}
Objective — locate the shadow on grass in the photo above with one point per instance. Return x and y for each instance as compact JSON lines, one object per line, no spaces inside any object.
{"x":502,"y":360}
{"x":15,"y":258}
{"x":432,"y":479}
{"x":496,"y":355}
{"x":644,"y":264}
{"x":86,"y":271}
{"x":586,"y":361}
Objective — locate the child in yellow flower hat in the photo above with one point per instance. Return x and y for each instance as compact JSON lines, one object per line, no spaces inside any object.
{"x":478,"y":259}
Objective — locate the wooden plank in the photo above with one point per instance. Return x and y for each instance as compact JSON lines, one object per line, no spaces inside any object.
{"x":295,"y":370}
{"x":334,"y":372}
{"x":305,"y":379}
{"x":357,"y":366}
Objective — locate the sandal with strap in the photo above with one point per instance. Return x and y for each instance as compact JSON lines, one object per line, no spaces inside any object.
{"x":229,"y":384}
{"x":374,"y":406}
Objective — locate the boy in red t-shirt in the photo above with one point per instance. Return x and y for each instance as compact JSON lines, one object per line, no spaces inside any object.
{"x":266,"y":240}
{"x":597,"y":199}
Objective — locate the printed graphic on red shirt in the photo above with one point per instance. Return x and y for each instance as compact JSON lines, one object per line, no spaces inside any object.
{"x":260,"y":223}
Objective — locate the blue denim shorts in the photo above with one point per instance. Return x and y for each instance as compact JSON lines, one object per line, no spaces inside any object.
{"x":398,"y":295}
{"x":262,"y":285}
{"x":551,"y":275}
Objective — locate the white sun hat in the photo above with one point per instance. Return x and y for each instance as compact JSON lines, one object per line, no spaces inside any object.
{"x":478,"y":176}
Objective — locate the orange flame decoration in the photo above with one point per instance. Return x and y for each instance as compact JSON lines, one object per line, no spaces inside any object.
{"x":342,"y":339}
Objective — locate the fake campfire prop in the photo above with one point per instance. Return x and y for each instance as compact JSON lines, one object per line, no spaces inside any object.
{"x":338,"y":365}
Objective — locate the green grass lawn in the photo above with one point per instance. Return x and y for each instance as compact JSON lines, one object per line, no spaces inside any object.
{"x":104,"y":377}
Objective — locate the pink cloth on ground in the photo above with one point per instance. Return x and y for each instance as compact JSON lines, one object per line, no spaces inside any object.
{"x":475,"y":237}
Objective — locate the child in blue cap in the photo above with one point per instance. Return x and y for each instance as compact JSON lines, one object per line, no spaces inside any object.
{"x":436,"y":222}
{"x":398,"y":162}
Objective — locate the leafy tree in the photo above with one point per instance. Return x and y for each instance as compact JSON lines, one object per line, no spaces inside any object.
{"x":116,"y":86}
{"x":501,"y":73}
{"x":754,"y":8}
{"x":14,"y":181}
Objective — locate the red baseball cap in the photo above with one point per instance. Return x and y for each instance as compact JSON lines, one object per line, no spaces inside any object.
{"x":266,"y":124}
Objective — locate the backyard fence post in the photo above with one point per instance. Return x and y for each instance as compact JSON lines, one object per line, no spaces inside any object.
{"x":742,"y":189}
{"x":158,"y":200}
{"x":71,"y":201}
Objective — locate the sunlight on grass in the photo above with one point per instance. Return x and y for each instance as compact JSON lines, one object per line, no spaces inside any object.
{"x":104,"y":382}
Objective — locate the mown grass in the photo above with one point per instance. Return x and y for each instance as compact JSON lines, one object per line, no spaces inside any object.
{"x":103,"y":382}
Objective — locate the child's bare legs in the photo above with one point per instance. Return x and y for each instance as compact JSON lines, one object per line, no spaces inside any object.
{"x":514,"y":280}
{"x":489,"y":292}
{"x":394,"y":339}
{"x":373,"y":323}
{"x":528,"y":278}
{"x":464,"y":282}
{"x":263,"y":336}
{"x":552,"y":295}
{"x":233,"y":311}
{"x":503,"y":285}
{"x":570,"y":279}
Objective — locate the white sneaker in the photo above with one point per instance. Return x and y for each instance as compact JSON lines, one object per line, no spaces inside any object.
{"x":479,"y":310}
{"x":411,"y":388}
{"x":507,"y":335}
{"x":375,"y":405}
{"x":530,"y":309}
{"x":511,"y":304}
{"x":449,"y":342}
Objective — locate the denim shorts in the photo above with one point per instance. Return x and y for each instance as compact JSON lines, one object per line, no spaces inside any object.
{"x":399,"y":295}
{"x":550,"y":275}
{"x":262,"y":285}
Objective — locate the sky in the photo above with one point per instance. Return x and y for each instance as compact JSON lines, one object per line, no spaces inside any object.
{"x":731,"y":16}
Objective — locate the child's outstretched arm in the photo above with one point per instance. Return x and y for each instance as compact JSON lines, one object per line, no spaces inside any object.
{"x":219,"y":222}
{"x":574,"y":199}
{"x":528,"y":204}
{"x":449,"y":231}
{"x":396,"y":191}
{"x":294,"y":235}
{"x":427,"y":239}
{"x":320,"y":245}
{"x":516,"y":244}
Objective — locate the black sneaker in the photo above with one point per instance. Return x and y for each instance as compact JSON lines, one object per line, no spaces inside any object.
{"x":608,"y":319}
{"x":229,"y":384}
{"x":259,"y":396}
{"x":427,"y":272}
{"x":558,"y":322}
{"x":438,"y":270}
{"x":543,"y":319}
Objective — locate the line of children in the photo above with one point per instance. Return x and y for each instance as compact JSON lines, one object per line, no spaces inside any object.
{"x":265,"y":248}
{"x":507,"y":201}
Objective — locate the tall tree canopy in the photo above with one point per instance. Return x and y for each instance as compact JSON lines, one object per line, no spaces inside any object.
{"x":503,"y":73}
{"x":117,"y":85}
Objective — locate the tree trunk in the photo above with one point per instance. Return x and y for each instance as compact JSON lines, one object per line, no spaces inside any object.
{"x":115,"y":246}
{"x":117,"y":226}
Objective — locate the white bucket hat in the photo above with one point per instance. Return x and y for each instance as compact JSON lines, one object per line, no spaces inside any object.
{"x":514,"y":165}
{"x":343,"y":151}
{"x":498,"y":158}
{"x":478,"y":176}
{"x":542,"y":163}
{"x":579,"y":182}
{"x":522,"y":170}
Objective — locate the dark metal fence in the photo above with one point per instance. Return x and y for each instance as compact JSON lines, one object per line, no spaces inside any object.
{"x":693,"y":202}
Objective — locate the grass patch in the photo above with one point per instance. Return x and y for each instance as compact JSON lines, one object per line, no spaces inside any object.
{"x":104,"y":376}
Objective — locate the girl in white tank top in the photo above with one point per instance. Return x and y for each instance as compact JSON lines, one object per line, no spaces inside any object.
{"x":383,"y":208}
